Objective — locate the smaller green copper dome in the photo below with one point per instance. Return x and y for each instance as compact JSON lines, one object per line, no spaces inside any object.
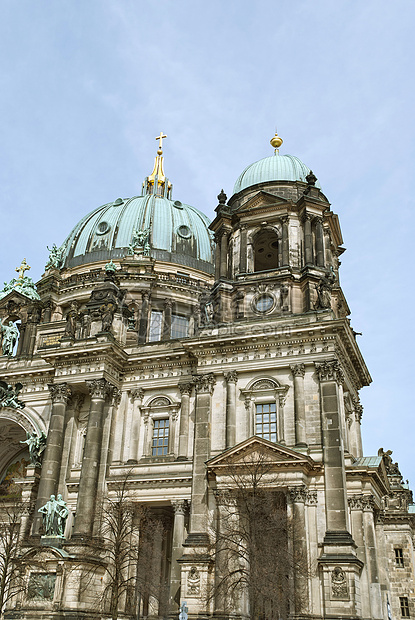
{"x":274,"y":168}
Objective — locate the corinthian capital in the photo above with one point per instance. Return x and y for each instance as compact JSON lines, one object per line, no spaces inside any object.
{"x":99,"y":388}
{"x":298,"y":494}
{"x":298,"y":370}
{"x":137,"y":394}
{"x":330,"y":371}
{"x":186,"y":388}
{"x":205,"y":383}
{"x":232,"y":376}
{"x":60,"y":393}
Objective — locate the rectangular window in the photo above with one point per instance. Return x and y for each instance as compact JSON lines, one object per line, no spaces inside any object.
{"x":404,"y":606}
{"x":399,"y":557}
{"x":179,"y":326}
{"x":160,"y":437}
{"x":266,"y":421}
{"x":156,"y":320}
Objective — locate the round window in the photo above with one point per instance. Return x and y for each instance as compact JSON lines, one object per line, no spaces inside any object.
{"x":177,"y":204}
{"x":264,"y":303}
{"x":103,"y":227}
{"x":184,"y":231}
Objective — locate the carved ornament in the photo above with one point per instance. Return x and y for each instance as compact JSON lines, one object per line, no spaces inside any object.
{"x":205,"y":383}
{"x":99,"y":388}
{"x":298,"y":370}
{"x":60,"y":393}
{"x":330,"y":371}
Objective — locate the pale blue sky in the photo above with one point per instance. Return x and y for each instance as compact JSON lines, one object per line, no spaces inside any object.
{"x":87,"y":85}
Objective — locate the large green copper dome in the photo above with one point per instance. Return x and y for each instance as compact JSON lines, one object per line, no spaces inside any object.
{"x":174,"y":232}
{"x":274,"y":168}
{"x":178,"y":232}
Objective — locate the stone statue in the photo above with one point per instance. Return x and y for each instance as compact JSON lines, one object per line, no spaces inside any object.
{"x":107,"y":316}
{"x":10,"y":334}
{"x":8,"y":395}
{"x":37,"y":445}
{"x":324,"y":289}
{"x":55,"y":513}
{"x":70,"y":329}
{"x":63,"y":513}
{"x":140,"y":242}
{"x":55,"y":256}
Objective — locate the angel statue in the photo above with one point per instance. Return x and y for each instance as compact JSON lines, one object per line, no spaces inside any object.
{"x":36,"y":445}
{"x":8,"y":395}
{"x":10,"y":334}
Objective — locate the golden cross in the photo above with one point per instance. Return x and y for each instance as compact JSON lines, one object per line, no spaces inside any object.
{"x":160,"y":139}
{"x":23,"y":267}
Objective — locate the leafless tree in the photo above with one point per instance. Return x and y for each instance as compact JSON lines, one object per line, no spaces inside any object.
{"x":257,"y":549}
{"x":12,"y":509}
{"x":131,"y":562}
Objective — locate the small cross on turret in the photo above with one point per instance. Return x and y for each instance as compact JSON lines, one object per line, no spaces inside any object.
{"x":23,"y":267}
{"x":160,"y":139}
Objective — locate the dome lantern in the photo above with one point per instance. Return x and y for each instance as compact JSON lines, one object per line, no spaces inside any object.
{"x":157,"y":183}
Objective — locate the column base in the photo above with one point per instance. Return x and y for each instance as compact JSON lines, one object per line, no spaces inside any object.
{"x":197,"y":539}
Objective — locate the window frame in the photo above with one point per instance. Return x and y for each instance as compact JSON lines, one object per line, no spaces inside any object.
{"x":264,"y":390}
{"x":404,"y":607}
{"x":399,"y":559}
{"x":160,"y":407}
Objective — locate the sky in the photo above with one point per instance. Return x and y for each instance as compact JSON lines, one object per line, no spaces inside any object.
{"x":87,"y":86}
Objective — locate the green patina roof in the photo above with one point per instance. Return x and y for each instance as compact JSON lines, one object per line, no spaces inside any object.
{"x":368,"y":461}
{"x":274,"y":168}
{"x":178,"y":232}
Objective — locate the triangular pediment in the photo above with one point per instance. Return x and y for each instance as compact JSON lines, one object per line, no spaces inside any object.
{"x":256,"y":449}
{"x":15,"y":297}
{"x":263,"y":200}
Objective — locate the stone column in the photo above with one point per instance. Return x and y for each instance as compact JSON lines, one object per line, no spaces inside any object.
{"x":224,"y":255}
{"x":185,"y":390}
{"x":204,"y":385}
{"x":167,"y":320}
{"x":298,"y":371}
{"x":357,"y":434}
{"x":217,"y":256}
{"x":180,"y":507}
{"x":137,"y":398}
{"x":330,"y":375}
{"x":308,"y":240}
{"x":371,"y":550}
{"x":243,"y":250}
{"x":281,"y":418}
{"x":298,"y":496}
{"x":231,"y":381}
{"x":319,"y":241}
{"x":99,"y":389}
{"x":143,"y":323}
{"x":356,"y":515}
{"x":71,"y":415}
{"x":285,"y":242}
{"x":60,"y":394}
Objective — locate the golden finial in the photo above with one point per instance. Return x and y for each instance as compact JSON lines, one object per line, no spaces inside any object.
{"x":23,"y":267}
{"x":163,"y":185}
{"x":276,"y":142}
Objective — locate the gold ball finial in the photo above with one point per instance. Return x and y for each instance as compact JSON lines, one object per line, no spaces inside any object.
{"x":276,"y":141}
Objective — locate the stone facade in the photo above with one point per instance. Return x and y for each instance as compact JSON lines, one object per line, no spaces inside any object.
{"x":162,"y":376}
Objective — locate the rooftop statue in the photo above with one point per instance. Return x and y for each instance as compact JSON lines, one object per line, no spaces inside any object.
{"x":8,"y":395}
{"x":55,"y":513}
{"x":23,"y":284}
{"x":10,"y":334}
{"x":56,"y":255}
{"x":140,"y":243}
{"x":36,"y":445}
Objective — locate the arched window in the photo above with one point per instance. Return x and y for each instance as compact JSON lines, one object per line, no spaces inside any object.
{"x":264,"y":400}
{"x":266,"y":247}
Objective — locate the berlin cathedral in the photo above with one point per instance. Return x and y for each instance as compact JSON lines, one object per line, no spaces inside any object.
{"x":180,"y":418}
